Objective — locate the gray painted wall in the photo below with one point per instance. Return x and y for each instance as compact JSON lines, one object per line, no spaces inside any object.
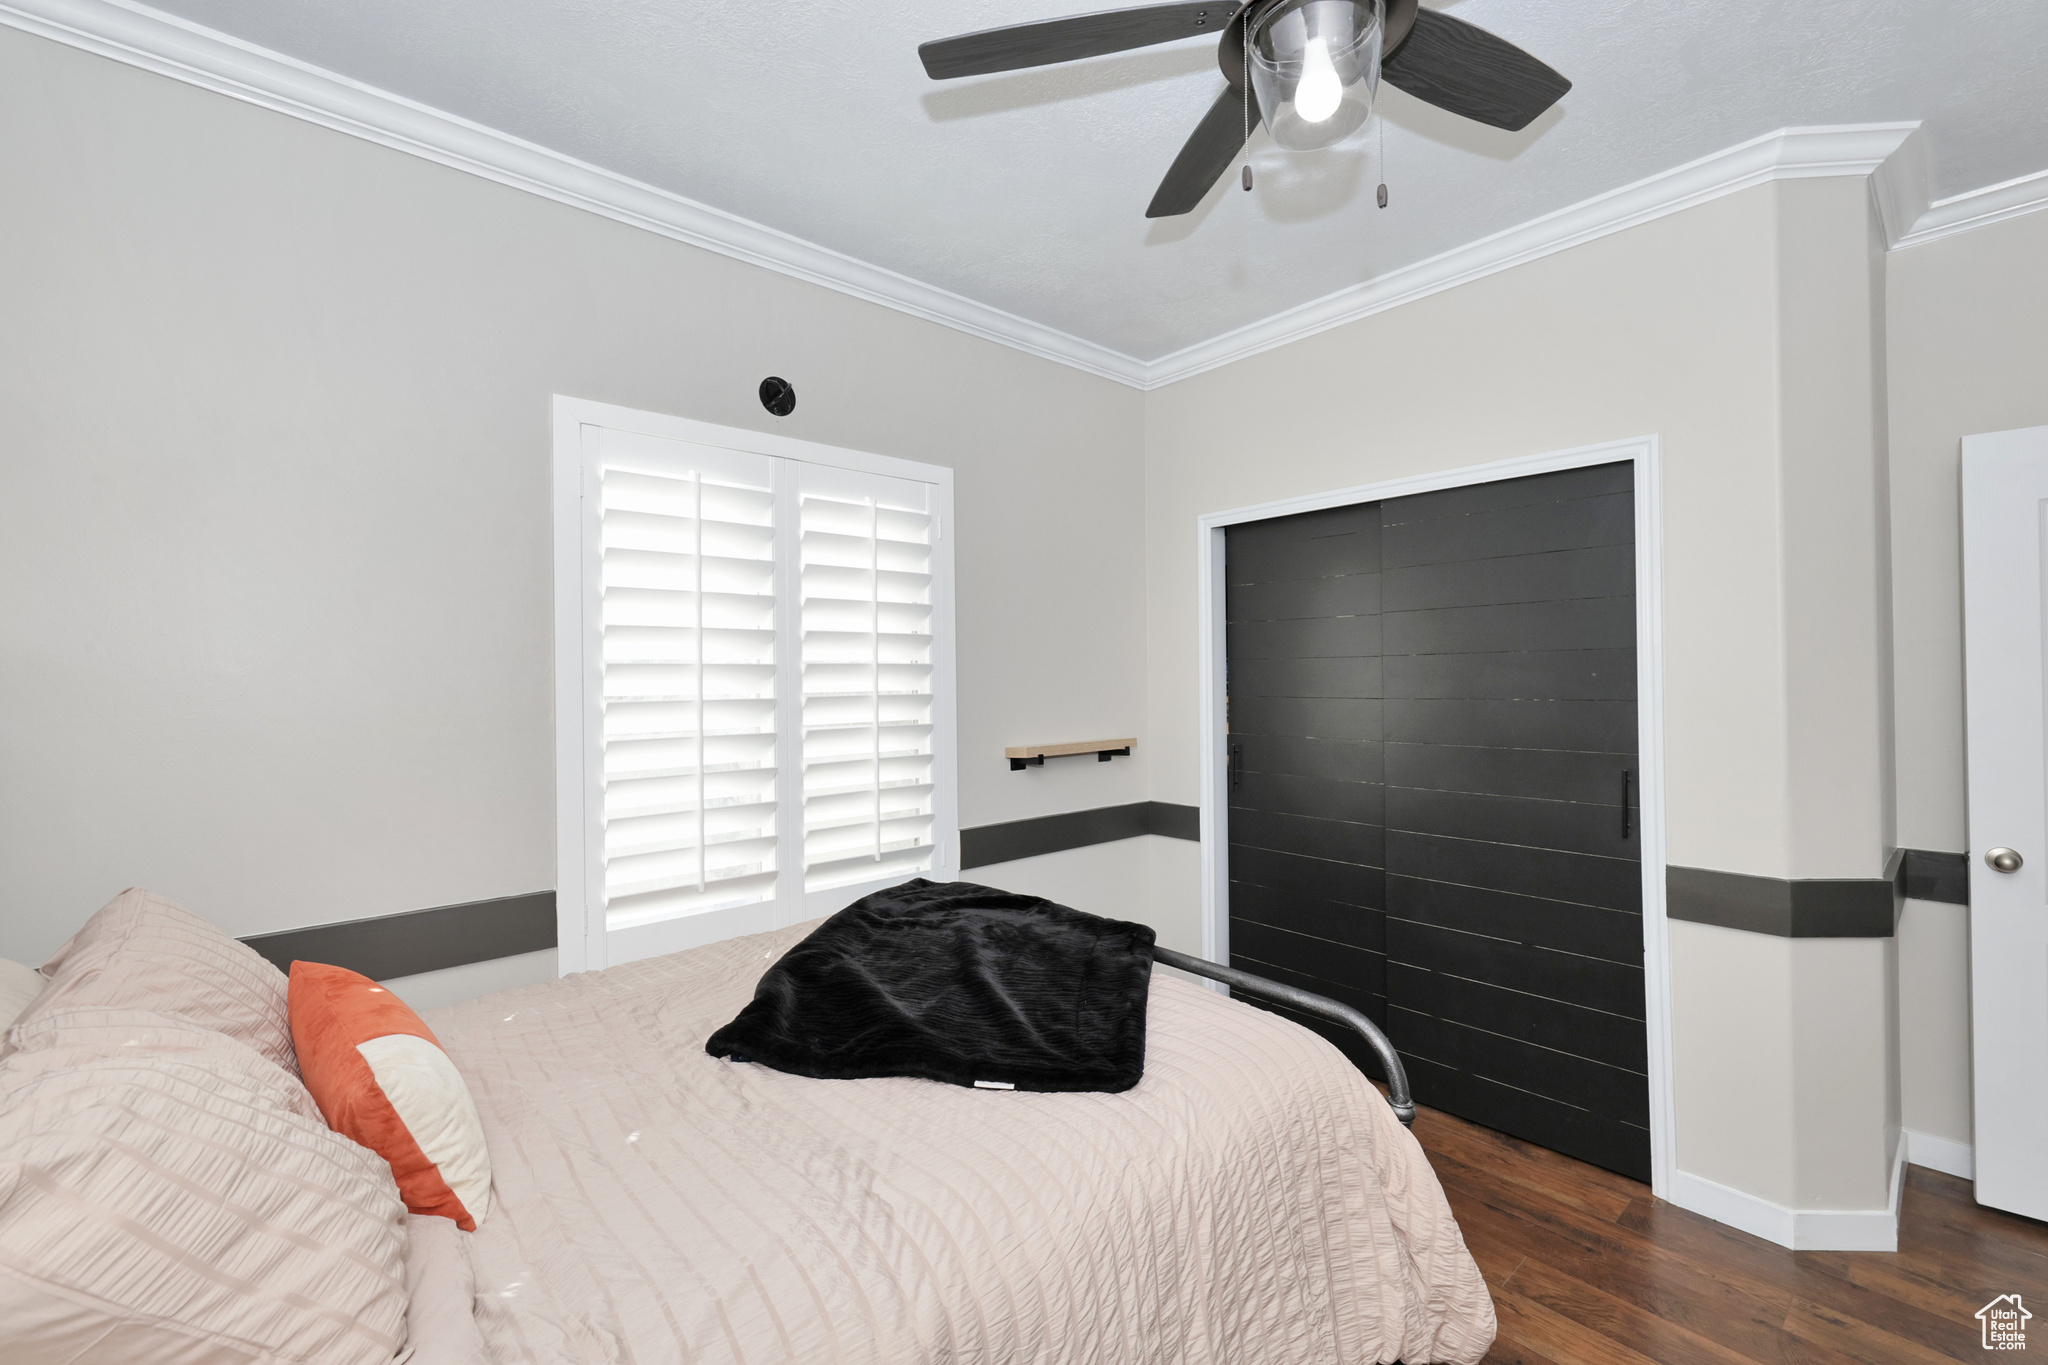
{"x":1968,"y":354}
{"x":1746,"y":334}
{"x":274,"y":523}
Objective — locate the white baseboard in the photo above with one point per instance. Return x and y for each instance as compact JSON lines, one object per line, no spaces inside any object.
{"x":1799,"y":1229}
{"x":1941,"y":1154}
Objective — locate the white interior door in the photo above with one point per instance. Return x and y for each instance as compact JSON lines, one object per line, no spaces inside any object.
{"x":2005,"y":596}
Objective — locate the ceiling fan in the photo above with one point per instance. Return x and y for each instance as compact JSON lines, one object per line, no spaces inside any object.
{"x":1315,"y":68}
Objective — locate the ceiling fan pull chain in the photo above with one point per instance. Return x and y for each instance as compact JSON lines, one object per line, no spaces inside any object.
{"x":1244,"y":27}
{"x":1381,"y":120}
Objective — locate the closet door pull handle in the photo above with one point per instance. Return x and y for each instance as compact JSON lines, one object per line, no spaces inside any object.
{"x":1626,"y":775}
{"x":1236,"y":766}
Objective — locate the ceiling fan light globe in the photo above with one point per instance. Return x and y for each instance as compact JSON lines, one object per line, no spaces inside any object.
{"x":1315,"y":68}
{"x":1318,"y":93}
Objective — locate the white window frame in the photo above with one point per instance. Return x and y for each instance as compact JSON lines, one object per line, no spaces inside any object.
{"x":582,"y":941}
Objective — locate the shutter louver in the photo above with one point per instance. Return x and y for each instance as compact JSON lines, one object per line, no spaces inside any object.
{"x":689,"y":734}
{"x":866,"y":576}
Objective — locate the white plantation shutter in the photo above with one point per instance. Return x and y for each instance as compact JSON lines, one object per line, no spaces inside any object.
{"x":754,"y":682}
{"x":689,"y":642}
{"x":865,"y":558}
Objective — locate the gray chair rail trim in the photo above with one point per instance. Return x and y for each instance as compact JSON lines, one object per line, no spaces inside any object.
{"x":420,"y":940}
{"x":1943,"y":877}
{"x":1042,"y":834}
{"x":1859,"y":907}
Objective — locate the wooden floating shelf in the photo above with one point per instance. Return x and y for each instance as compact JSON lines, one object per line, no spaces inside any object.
{"x":1022,"y":756}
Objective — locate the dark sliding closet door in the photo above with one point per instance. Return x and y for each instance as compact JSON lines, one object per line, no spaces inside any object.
{"x":1432,"y":714}
{"x":1307,"y":799}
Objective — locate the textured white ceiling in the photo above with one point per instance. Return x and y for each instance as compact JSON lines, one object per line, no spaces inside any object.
{"x":1026,"y":191}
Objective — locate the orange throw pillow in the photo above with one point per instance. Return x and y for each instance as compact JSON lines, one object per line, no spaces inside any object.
{"x":380,"y":1077}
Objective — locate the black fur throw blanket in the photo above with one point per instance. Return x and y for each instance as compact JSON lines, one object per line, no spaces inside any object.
{"x":959,"y":983}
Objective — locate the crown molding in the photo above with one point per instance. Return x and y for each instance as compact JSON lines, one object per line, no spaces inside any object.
{"x":1890,"y":154}
{"x":1788,"y":154}
{"x":1979,"y":208}
{"x":170,"y":46}
{"x":1899,"y":186}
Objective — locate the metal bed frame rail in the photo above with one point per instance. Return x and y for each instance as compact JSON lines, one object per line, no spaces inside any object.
{"x":1308,"y":1003}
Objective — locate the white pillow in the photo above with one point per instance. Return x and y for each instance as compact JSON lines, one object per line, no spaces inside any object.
{"x":19,"y":986}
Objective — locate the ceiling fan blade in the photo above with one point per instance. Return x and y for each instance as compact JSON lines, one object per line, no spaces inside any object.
{"x":1463,"y":68}
{"x":1071,"y":38}
{"x":1206,"y":155}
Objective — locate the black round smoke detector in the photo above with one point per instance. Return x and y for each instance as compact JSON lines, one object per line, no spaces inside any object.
{"x":778,"y":396}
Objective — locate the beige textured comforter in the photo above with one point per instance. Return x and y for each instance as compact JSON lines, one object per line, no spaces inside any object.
{"x":1252,"y":1201}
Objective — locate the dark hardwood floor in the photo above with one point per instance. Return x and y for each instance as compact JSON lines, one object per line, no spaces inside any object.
{"x":1587,"y":1268}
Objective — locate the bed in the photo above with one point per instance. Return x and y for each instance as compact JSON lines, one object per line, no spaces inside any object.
{"x":1253,"y":1200}
{"x":172,"y":1191}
